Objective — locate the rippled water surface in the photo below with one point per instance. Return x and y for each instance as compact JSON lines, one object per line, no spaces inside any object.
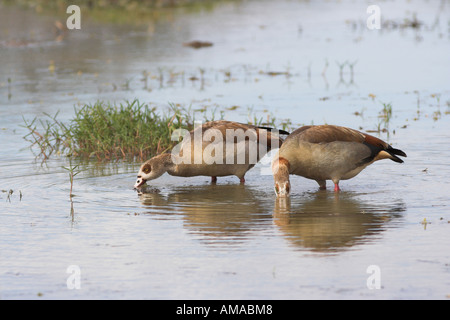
{"x":197,"y":240}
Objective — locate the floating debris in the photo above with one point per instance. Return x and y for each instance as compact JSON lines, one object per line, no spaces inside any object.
{"x":198,"y":44}
{"x":425,"y":223}
{"x":277,"y":73}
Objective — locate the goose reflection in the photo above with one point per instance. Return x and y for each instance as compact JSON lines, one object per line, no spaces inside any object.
{"x":327,"y":222}
{"x":219,"y":214}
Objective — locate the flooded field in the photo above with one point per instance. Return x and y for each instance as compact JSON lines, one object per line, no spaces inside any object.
{"x":386,"y":235}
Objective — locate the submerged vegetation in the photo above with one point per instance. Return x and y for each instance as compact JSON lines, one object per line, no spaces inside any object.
{"x":136,"y":12}
{"x":73,"y":171}
{"x":10,"y":192}
{"x":107,"y":132}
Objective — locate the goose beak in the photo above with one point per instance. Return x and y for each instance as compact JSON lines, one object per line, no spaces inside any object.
{"x":139,"y":182}
{"x":282,"y":191}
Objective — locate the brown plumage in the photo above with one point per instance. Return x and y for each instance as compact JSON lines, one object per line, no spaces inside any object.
{"x":216,"y":148}
{"x":328,"y":152}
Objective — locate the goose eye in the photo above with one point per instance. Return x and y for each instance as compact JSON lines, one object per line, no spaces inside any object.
{"x":147,"y":169}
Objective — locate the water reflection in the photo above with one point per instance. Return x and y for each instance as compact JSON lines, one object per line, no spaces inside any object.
{"x":229,"y":215}
{"x":328,"y":222}
{"x":220,"y":214}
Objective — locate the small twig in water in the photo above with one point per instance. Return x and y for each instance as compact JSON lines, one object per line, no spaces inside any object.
{"x":72,"y":174}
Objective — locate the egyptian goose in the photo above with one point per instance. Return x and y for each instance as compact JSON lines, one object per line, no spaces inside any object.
{"x":215,"y":149}
{"x":327,"y":152}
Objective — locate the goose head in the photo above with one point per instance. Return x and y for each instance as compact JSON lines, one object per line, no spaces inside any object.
{"x":150,"y":170}
{"x":280,"y":170}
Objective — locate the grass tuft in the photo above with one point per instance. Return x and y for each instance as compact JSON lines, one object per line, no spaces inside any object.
{"x":132,"y":131}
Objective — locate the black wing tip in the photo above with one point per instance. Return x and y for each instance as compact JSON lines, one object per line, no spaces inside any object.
{"x":273,"y":129}
{"x":283,"y":132}
{"x":397,"y":152}
{"x":396,"y":159}
{"x":394,"y":153}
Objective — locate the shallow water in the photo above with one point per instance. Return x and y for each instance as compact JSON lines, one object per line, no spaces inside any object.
{"x":198,"y":240}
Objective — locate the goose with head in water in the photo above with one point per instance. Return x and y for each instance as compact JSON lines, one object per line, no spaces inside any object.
{"x":215,"y":149}
{"x":327,"y":152}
